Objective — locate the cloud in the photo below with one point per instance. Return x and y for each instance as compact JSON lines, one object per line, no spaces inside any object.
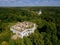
{"x":6,"y":0}
{"x":28,"y":2}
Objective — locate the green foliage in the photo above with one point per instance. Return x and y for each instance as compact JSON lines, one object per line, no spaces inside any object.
{"x":11,"y":42}
{"x":4,"y":43}
{"x":47,"y":32}
{"x":19,"y":41}
{"x":27,"y":41}
{"x":37,"y":38}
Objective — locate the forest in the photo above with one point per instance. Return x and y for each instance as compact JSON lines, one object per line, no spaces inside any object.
{"x":47,"y":32}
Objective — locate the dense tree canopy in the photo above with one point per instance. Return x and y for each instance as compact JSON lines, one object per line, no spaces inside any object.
{"x":47,"y":32}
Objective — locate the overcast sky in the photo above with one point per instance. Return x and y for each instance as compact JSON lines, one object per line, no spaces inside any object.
{"x":29,"y":2}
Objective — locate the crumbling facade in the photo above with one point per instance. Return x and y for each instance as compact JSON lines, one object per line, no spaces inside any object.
{"x":23,"y":28}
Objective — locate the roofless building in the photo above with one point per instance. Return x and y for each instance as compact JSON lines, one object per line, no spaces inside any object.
{"x":23,"y":28}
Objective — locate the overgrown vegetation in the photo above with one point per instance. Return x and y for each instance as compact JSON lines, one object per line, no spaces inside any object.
{"x":47,"y":32}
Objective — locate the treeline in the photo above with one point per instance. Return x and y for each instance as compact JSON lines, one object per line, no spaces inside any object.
{"x":47,"y":32}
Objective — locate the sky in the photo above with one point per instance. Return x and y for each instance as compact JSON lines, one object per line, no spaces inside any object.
{"x":29,"y":3}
